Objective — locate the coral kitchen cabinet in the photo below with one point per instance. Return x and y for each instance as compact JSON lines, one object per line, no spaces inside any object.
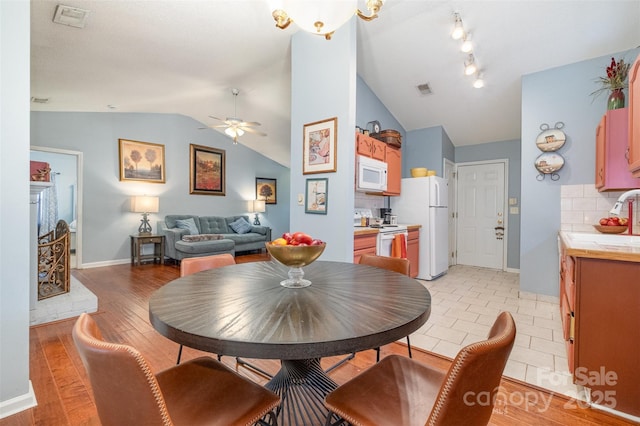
{"x":600,"y":309}
{"x":364,"y":242}
{"x":393,"y":158}
{"x":413,"y":250}
{"x":612,"y":171}
{"x":370,"y":147}
{"x":634,"y":118}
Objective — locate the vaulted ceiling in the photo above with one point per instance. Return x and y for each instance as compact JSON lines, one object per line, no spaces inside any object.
{"x":182,"y":56}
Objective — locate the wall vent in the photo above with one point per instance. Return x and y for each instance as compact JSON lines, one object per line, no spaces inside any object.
{"x":424,"y":88}
{"x":39,"y":100}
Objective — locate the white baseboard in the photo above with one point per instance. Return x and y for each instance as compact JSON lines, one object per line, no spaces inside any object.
{"x":19,"y":403}
{"x":513,"y":270}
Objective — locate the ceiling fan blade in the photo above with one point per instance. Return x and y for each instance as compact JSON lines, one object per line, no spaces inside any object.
{"x":252,"y":130}
{"x":249,"y":123}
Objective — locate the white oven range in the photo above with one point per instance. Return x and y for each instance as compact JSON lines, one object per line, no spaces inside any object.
{"x":385,"y":238}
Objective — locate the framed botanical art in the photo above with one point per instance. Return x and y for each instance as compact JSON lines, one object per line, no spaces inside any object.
{"x":141,"y":161}
{"x":316,"y":196}
{"x":266,"y":190}
{"x":319,"y":146}
{"x":206,"y":170}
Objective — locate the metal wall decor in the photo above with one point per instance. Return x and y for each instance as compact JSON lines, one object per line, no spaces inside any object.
{"x":549,"y":141}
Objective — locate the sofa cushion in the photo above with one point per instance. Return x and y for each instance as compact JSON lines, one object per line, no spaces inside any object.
{"x":248,"y":238}
{"x":214,"y":225}
{"x":240,"y":226}
{"x":205,"y":247}
{"x":202,"y":237}
{"x":170,"y":221}
{"x":188,"y":224}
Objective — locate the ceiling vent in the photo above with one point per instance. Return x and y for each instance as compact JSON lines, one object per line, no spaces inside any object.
{"x":39,"y":100}
{"x":425,"y":89}
{"x":71,"y":16}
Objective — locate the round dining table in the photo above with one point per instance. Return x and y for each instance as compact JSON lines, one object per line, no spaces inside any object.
{"x":242,"y":311}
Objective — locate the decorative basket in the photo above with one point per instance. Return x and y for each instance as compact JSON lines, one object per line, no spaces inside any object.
{"x":611,"y":229}
{"x":390,"y":137}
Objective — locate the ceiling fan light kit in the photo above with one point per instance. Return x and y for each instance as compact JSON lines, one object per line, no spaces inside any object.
{"x":235,"y":127}
{"x":321,"y":17}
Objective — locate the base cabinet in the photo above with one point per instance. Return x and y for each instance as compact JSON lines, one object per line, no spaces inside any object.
{"x":600,"y":306}
{"x":363,"y":244}
{"x":413,"y":251}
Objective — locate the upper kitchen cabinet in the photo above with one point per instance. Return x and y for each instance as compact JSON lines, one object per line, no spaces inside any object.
{"x":634,"y":119}
{"x":393,"y":158}
{"x":612,"y":171}
{"x":370,"y":147}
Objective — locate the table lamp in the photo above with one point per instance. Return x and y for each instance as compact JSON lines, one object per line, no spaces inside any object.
{"x":145,"y":205}
{"x":258,"y":206}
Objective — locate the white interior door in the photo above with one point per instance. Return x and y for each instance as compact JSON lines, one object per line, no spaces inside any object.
{"x":481,"y":195}
{"x":449,"y":174}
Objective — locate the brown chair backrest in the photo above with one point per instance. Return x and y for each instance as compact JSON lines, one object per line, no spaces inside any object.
{"x":125,"y":390}
{"x":394,"y":264}
{"x":191,"y":265}
{"x":467,"y":395}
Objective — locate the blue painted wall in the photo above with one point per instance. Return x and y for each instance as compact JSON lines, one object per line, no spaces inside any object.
{"x":107,"y":221}
{"x":370,"y":108}
{"x":556,"y":95}
{"x":323,"y":85}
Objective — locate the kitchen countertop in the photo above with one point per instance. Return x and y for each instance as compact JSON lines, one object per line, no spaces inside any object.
{"x":366,"y":230}
{"x":621,"y":247}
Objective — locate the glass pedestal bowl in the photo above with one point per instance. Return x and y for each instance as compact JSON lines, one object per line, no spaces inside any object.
{"x":295,"y":257}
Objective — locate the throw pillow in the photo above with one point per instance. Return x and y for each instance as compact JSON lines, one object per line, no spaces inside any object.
{"x":201,"y":237}
{"x":240,"y":226}
{"x":188,"y":224}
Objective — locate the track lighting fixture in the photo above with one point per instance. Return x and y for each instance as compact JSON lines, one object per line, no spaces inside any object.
{"x":479,"y":81}
{"x":458,"y":30}
{"x":470,"y":65}
{"x":467,"y":45}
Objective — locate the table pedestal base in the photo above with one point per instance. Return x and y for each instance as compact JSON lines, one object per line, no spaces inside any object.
{"x":302,"y":385}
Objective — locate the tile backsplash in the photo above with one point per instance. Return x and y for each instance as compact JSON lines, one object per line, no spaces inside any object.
{"x":582,"y":206}
{"x":365,"y":201}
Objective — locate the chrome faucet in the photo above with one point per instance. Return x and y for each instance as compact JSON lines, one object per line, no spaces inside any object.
{"x":618,"y":206}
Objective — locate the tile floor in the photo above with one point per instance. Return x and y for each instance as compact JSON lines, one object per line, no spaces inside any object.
{"x":465,"y":303}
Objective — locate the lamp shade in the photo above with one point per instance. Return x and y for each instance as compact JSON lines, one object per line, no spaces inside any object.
{"x":145,"y":204}
{"x":259,"y":206}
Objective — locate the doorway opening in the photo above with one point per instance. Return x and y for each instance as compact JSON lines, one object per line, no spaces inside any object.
{"x":71,"y":163}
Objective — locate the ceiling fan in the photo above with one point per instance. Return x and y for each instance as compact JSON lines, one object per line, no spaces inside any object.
{"x":236,"y":127}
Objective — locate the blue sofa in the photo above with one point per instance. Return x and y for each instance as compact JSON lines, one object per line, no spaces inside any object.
{"x":214,"y":236}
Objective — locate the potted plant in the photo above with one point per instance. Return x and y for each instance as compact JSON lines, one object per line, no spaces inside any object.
{"x":614,"y":82}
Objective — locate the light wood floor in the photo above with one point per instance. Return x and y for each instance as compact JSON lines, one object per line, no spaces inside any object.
{"x":64,"y":393}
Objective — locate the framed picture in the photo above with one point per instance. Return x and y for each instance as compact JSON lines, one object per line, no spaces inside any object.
{"x":141,"y":161}
{"x":266,"y":190}
{"x":316,"y":196}
{"x":319,"y":149}
{"x":206,"y":170}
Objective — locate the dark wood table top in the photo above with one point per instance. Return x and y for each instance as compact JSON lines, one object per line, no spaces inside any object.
{"x":242,"y":310}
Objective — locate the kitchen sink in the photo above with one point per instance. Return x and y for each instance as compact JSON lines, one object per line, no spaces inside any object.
{"x":605,"y":239}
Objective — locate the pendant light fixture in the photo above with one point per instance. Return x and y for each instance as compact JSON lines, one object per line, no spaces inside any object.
{"x":321,"y":17}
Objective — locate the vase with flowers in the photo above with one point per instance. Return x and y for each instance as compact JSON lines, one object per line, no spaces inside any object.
{"x":614,"y":83}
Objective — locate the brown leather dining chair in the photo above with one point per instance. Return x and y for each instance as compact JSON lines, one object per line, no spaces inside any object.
{"x":394,"y":264}
{"x":191,"y":265}
{"x":197,"y":392}
{"x":401,"y":391}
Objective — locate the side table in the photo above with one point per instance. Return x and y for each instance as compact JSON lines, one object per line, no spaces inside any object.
{"x":137,"y":241}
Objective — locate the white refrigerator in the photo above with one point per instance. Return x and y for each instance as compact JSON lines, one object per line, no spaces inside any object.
{"x":423,"y":201}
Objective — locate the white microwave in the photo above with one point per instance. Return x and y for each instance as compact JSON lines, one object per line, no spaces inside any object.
{"x":371,"y":175}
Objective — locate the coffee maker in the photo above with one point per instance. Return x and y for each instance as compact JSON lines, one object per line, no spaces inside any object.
{"x":385,"y":214}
